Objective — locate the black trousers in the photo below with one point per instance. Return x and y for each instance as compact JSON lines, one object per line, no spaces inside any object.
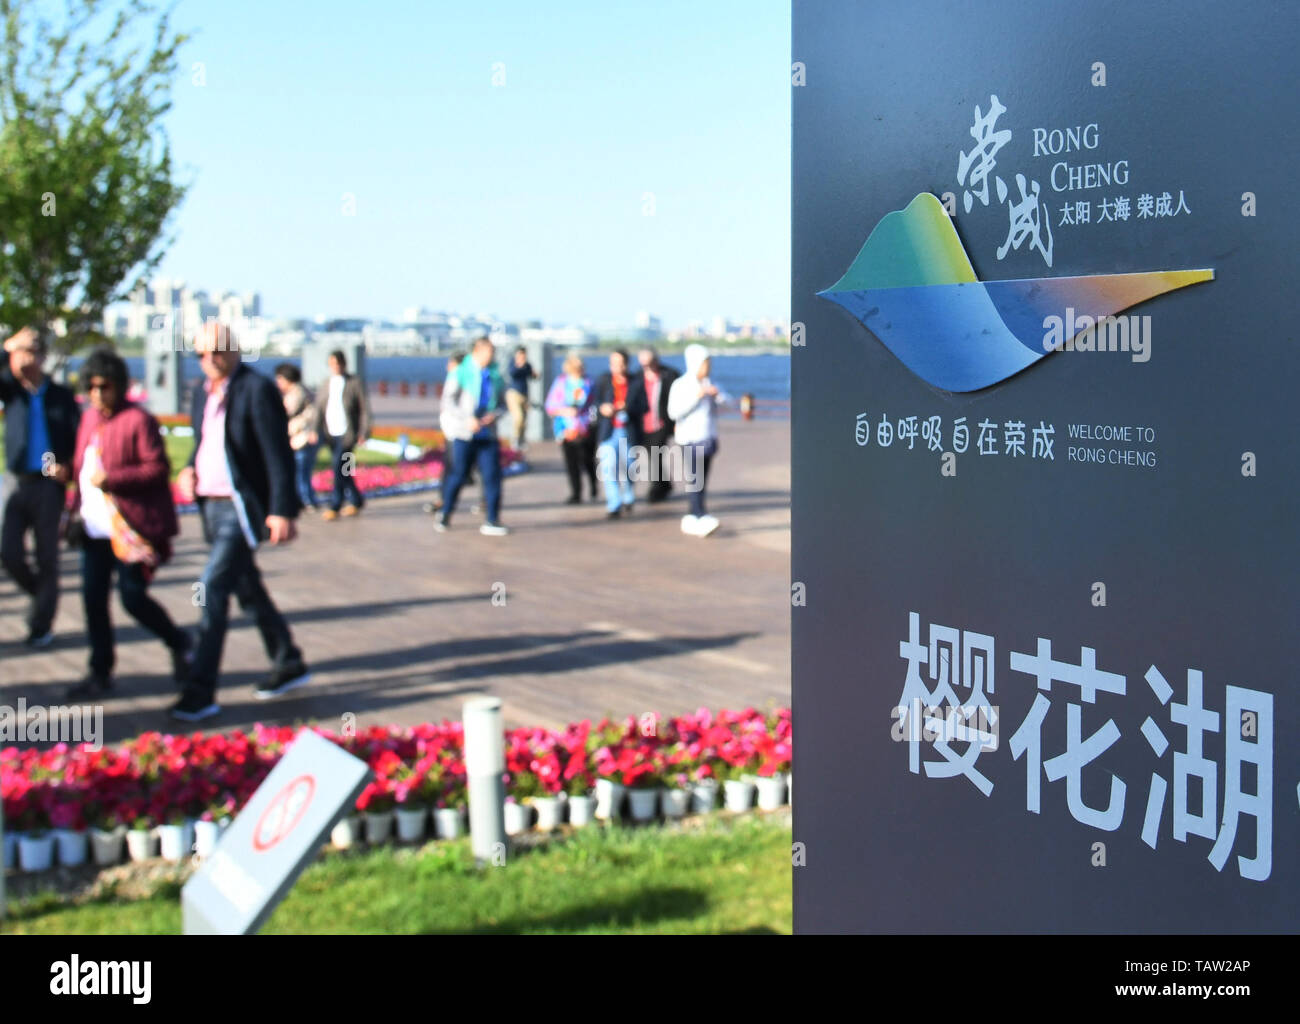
{"x":660,"y":485}
{"x":36,"y":505}
{"x":97,"y":565}
{"x":580,"y":458}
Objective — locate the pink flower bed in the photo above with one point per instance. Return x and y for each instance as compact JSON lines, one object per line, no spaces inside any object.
{"x":158,"y":778}
{"x":376,"y":481}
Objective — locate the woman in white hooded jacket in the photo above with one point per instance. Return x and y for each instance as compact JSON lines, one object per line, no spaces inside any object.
{"x":693,"y":405}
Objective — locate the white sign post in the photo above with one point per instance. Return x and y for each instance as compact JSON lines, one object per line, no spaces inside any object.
{"x":275,"y":836}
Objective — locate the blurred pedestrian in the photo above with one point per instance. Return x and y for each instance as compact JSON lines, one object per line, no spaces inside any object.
{"x":241,"y":473}
{"x":569,"y":405}
{"x":446,"y":421}
{"x":299,"y":406}
{"x":620,"y":402}
{"x":471,"y":412}
{"x":41,"y":419}
{"x":343,"y":416}
{"x":123,"y":496}
{"x":521,"y":372}
{"x":657,"y":426}
{"x":693,"y":404}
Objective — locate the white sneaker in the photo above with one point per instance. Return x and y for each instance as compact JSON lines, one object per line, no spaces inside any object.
{"x":493,"y":530}
{"x":705,"y":525}
{"x":690,"y":525}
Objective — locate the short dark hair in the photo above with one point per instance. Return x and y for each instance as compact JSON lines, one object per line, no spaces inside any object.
{"x":104,"y":362}
{"x":343,"y":360}
{"x":621,"y":352}
{"x":520,"y":348}
{"x":289,"y":372}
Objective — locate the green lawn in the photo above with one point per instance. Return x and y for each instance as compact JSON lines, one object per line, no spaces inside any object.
{"x":731,"y":875}
{"x":179,"y":448}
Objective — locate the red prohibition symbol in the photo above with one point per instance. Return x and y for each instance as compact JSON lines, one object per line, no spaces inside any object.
{"x":283,"y":813}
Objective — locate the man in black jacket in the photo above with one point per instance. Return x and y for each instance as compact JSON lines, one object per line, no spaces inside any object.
{"x":620,"y":403}
{"x":657,"y":381}
{"x":241,"y":474}
{"x":41,"y":419}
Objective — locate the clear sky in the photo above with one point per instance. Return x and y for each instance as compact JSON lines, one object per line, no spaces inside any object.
{"x":527,"y":199}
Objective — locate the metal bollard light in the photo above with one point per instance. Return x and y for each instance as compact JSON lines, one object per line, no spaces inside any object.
{"x":485,"y":766}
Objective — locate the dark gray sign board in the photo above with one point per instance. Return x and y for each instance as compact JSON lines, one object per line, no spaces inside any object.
{"x":1093,"y":550}
{"x":277,"y":834}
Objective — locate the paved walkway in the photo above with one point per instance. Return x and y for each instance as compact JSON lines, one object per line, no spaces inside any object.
{"x":399,"y":624}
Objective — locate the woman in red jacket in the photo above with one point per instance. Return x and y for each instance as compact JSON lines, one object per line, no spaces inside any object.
{"x":121,"y":480}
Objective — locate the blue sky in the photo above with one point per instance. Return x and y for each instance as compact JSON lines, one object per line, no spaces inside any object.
{"x":524,"y":200}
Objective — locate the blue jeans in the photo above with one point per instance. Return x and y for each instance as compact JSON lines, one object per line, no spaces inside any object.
{"x":696,"y":460}
{"x":486,"y":451}
{"x":231,"y":571}
{"x":346,"y":491}
{"x":304,"y":463}
{"x":615,"y":470}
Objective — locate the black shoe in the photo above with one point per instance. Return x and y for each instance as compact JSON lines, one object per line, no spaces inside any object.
{"x":573,"y":499}
{"x":628,"y":507}
{"x":195,"y":705}
{"x":183,"y":660}
{"x":282,"y":680}
{"x":615,"y":514}
{"x":36,"y":641}
{"x":91,"y":688}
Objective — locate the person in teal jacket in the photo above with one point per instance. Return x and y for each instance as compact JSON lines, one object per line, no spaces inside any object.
{"x":470,"y":412}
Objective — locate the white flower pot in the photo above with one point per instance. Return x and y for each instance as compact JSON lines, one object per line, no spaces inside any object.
{"x":704,"y":796}
{"x":36,"y":854}
{"x":379,"y":827}
{"x":609,"y":799}
{"x":72,"y":846}
{"x":206,"y":836}
{"x":675,"y":803}
{"x":738,"y":795}
{"x":642,"y":803}
{"x":410,"y":824}
{"x":518,"y":818}
{"x":11,"y":849}
{"x":771,"y":792}
{"x":581,"y":809}
{"x":176,"y":842}
{"x":141,"y":844}
{"x":448,"y":822}
{"x":550,"y":813}
{"x":106,"y":846}
{"x":347,"y":833}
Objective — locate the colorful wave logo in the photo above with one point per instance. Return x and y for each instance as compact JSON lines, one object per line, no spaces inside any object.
{"x":914,"y":288}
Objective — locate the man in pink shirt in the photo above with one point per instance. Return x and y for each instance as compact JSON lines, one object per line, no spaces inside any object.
{"x":242,"y":476}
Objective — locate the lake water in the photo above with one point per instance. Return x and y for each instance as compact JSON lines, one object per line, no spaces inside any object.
{"x":764,"y":376}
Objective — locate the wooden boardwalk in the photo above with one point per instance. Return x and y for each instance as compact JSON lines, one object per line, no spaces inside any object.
{"x":399,"y":624}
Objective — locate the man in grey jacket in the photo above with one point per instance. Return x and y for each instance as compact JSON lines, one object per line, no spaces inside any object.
{"x":343,"y":422}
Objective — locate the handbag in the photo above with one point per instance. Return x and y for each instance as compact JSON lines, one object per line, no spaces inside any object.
{"x":73,"y":530}
{"x":127,"y":543}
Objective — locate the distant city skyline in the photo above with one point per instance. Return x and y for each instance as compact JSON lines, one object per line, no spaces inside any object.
{"x":197,"y":303}
{"x":572,"y":165}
